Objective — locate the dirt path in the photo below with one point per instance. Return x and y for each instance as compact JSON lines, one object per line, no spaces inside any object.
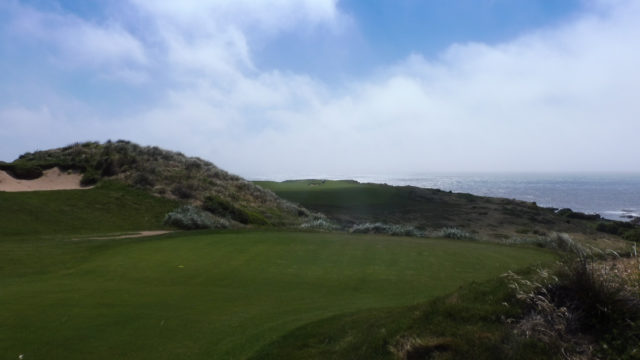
{"x":126,"y":236}
{"x":52,"y":179}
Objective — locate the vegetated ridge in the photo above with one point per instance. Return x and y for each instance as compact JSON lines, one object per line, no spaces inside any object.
{"x":191,"y":180}
{"x":349,"y":203}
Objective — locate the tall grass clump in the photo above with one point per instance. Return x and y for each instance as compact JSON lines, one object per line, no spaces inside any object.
{"x":585,"y":309}
{"x":554,"y":241}
{"x":388,"y":229}
{"x":320,"y":224}
{"x":191,"y":218}
{"x":455,"y":233}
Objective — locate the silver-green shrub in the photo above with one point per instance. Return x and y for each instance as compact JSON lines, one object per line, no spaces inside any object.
{"x":389,"y":229}
{"x":191,"y":218}
{"x":319,"y":224}
{"x":455,"y":233}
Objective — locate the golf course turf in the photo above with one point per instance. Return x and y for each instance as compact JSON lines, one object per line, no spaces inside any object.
{"x":222,"y":295}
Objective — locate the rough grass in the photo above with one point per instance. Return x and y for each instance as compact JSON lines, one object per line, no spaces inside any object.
{"x":217,"y":295}
{"x":469,"y":323}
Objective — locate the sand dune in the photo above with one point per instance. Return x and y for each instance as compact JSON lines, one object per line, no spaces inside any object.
{"x":52,"y":179}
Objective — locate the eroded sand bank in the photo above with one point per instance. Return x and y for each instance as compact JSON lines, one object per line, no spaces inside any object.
{"x":52,"y":179}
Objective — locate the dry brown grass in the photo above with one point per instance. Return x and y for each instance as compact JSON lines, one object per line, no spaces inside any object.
{"x":589,"y":309}
{"x":413,"y":347}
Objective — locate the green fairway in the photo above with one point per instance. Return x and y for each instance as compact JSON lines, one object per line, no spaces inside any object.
{"x":212,"y":295}
{"x":351,"y":202}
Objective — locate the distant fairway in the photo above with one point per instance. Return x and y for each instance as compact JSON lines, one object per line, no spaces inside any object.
{"x":215,"y":295}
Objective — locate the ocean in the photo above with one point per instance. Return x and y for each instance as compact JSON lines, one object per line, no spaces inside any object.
{"x":613,"y":196}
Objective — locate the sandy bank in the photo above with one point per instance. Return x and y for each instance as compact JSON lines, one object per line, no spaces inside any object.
{"x":52,"y":179}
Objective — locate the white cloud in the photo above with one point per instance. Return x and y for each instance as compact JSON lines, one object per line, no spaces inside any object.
{"x":76,"y":40}
{"x":561,"y":98}
{"x":557,"y":99}
{"x":213,"y":38}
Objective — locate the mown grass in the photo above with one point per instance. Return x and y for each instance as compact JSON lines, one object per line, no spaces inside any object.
{"x":109,"y":207}
{"x":351,"y":200}
{"x":206,"y":295}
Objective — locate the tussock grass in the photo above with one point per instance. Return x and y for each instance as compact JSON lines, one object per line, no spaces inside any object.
{"x":584,"y":309}
{"x":556,"y":241}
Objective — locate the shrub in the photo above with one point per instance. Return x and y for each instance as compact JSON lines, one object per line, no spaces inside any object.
{"x":583,"y":216}
{"x":389,"y":229}
{"x":191,"y":218}
{"x":224,"y":208}
{"x":455,"y":233}
{"x":256,"y":218}
{"x":182,"y":191}
{"x":22,"y":171}
{"x":632,"y":235}
{"x":582,"y":302}
{"x":320,"y":224}
{"x":90,"y":177}
{"x":577,"y":215}
{"x":615,"y":227}
{"x":142,"y":180}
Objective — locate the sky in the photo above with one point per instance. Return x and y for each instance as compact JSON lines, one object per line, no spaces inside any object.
{"x":300,"y":88}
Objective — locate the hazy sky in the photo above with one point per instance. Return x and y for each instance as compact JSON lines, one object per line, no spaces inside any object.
{"x":330,"y":87}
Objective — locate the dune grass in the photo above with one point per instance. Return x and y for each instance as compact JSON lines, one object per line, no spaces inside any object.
{"x":206,"y":295}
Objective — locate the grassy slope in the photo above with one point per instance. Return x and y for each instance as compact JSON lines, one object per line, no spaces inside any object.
{"x":466,"y":324}
{"x":355,"y":202}
{"x":109,"y":207}
{"x":351,"y":202}
{"x":222,"y":295}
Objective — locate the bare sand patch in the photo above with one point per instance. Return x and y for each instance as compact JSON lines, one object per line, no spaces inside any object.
{"x":52,"y":179}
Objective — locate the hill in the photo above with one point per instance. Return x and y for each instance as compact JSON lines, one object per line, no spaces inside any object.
{"x":349,"y":202}
{"x":167,"y":174}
